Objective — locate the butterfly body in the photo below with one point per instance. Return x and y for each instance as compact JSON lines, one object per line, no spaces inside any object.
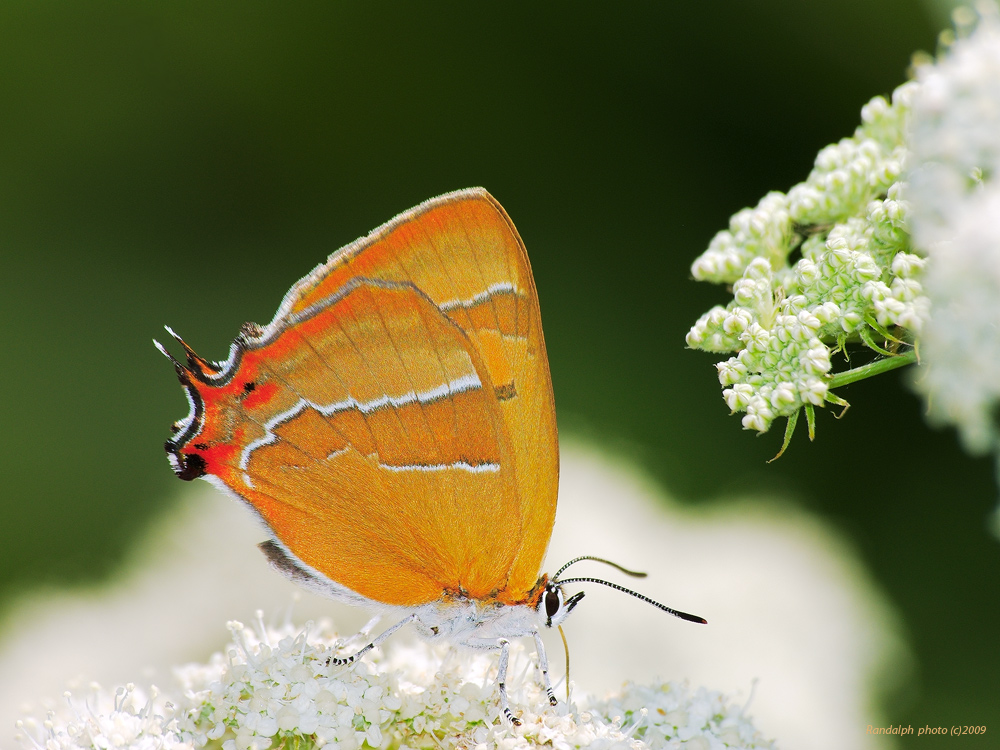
{"x":475,"y":623}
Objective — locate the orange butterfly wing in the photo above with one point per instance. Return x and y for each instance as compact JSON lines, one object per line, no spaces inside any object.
{"x":394,"y":425}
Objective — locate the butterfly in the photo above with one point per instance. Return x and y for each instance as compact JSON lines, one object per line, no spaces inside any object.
{"x":394,"y":428}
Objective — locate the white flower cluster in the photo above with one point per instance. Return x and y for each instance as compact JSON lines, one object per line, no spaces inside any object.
{"x":275,"y":689}
{"x":761,"y":232}
{"x":671,"y":716}
{"x":94,"y":718}
{"x":856,"y":276}
{"x":954,"y":187}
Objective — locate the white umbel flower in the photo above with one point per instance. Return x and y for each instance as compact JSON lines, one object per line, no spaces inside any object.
{"x":94,"y":719}
{"x":955,"y":197}
{"x":274,"y":688}
{"x":857,"y":277}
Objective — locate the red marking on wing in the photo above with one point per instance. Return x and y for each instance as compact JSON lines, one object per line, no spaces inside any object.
{"x":260,"y":395}
{"x":217,"y":457}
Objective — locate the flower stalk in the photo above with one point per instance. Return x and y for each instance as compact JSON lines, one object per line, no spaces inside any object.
{"x":871,"y":369}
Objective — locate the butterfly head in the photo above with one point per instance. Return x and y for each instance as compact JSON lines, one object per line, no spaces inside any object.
{"x":553,"y":606}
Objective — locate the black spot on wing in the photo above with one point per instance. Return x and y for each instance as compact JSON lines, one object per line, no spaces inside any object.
{"x":505,"y":391}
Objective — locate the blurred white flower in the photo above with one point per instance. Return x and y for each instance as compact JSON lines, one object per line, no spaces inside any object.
{"x":95,"y":719}
{"x":954,"y":192}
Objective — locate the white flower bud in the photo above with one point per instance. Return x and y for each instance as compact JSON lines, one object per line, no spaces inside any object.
{"x":816,"y":359}
{"x":745,"y":292}
{"x":783,"y":396}
{"x":809,"y":321}
{"x":737,"y":321}
{"x":869,"y":150}
{"x":827,"y":312}
{"x":731,"y":371}
{"x":874,"y":110}
{"x":800,"y":333}
{"x":829,"y":158}
{"x":804,"y":200}
{"x":906,"y":289}
{"x":759,"y":268}
{"x":813,"y":391}
{"x":905,"y":265}
{"x":837,"y":179}
{"x":794,"y":303}
{"x":738,"y":397}
{"x":851,"y":321}
{"x":756,"y":421}
{"x":807,"y":271}
{"x":888,"y":309}
{"x":695,"y":336}
{"x":756,"y":338}
{"x":717,"y":316}
{"x":875,"y":291}
{"x":771,"y":360}
{"x":895,"y":211}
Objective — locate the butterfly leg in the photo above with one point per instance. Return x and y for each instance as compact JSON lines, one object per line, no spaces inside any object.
{"x":361,"y":634}
{"x":338,"y":661}
{"x":502,"y":683}
{"x":543,"y":664}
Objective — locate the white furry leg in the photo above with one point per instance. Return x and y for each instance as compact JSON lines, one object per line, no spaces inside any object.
{"x":361,"y":634}
{"x":338,"y":661}
{"x":502,"y":683}
{"x":543,"y":664}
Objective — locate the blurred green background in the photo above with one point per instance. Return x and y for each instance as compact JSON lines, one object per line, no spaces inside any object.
{"x":186,"y":162}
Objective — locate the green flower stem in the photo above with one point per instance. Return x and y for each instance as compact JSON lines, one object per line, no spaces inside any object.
{"x":872,"y":368}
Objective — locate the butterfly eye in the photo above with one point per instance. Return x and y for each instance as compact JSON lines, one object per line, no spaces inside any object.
{"x":552,"y":602}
